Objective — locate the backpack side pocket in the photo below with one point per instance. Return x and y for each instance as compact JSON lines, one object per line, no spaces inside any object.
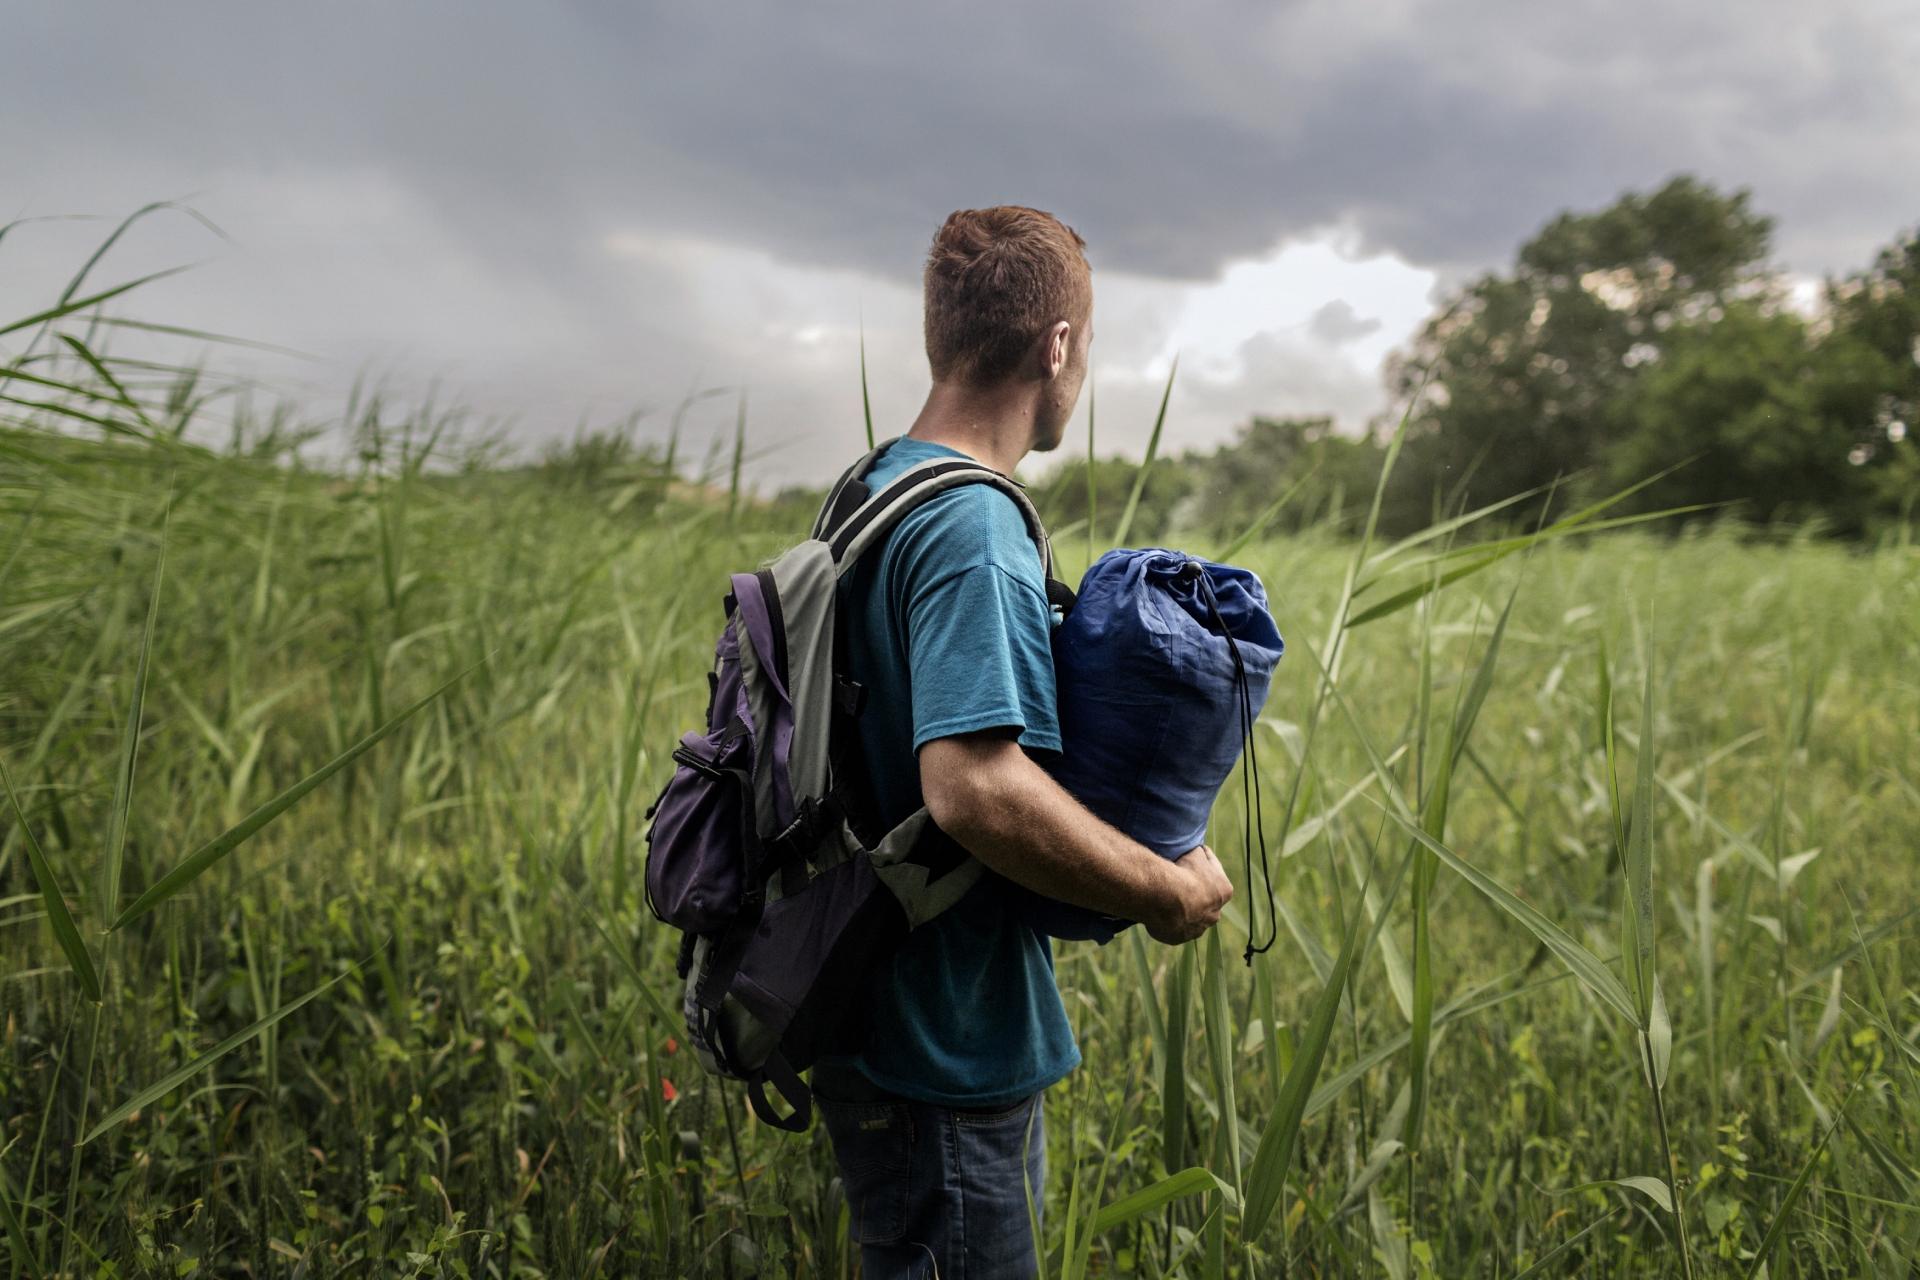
{"x":702,"y":826}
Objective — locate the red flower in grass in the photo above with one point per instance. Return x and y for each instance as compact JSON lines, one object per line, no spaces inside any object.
{"x":667,"y":1090}
{"x":673,"y":1046}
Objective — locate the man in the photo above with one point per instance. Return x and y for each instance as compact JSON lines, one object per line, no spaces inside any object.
{"x":936,"y":1120}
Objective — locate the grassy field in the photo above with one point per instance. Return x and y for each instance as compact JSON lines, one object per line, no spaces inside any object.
{"x":1596,"y":871}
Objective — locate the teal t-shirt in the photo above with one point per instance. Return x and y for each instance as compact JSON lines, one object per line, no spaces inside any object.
{"x":948,"y":627}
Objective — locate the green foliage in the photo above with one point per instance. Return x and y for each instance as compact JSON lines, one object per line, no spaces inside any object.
{"x":1648,"y":339}
{"x":1234,"y":484}
{"x":1221,"y":494}
{"x":1062,"y":495}
{"x":1762,"y":416}
{"x":483,"y":1084}
{"x":1651,"y":333}
{"x":1523,"y":369}
{"x":1879,"y":309}
{"x":421,"y":1022}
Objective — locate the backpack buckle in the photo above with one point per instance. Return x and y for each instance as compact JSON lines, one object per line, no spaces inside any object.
{"x":816,"y":818}
{"x":849,"y":696}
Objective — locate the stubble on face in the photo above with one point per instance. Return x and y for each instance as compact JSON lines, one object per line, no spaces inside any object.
{"x":1057,"y":406}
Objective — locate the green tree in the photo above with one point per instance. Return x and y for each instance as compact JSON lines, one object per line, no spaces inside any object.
{"x":1222,"y":493}
{"x":1766,"y":418}
{"x":1523,"y":370}
{"x":1062,"y":497}
{"x":1879,"y":309}
{"x":1236,"y":484}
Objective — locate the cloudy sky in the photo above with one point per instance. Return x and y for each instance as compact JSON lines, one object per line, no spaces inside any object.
{"x":558,"y":210}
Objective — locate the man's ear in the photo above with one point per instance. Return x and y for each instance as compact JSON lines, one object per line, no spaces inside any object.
{"x":1055,"y":347}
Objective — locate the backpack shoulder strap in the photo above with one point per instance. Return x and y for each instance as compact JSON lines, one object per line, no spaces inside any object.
{"x":867,"y":525}
{"x":848,"y":492}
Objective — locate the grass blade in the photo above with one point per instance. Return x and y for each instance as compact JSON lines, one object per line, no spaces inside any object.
{"x":1468,"y":711}
{"x":105,"y":375}
{"x":56,"y":384}
{"x":1146,"y":464}
{"x":1267,"y":1175}
{"x":739,"y":452}
{"x":1486,"y":554}
{"x":1897,"y":1171}
{"x":174,"y":1079}
{"x":1220,"y":1052}
{"x":1173,"y":1085}
{"x":1778,"y":1227}
{"x":1442,"y":528}
{"x":1636,"y":948}
{"x":1156,"y":1020}
{"x":227,"y":841}
{"x":67,"y":308}
{"x":1463,"y":1007}
{"x":100,"y":251}
{"x":1584,"y":524}
{"x":1585,"y":965}
{"x":130,"y":740}
{"x":1389,"y":1242}
{"x":23,"y":1259}
{"x":1265,"y":518}
{"x":1553,"y":1255}
{"x":1164,"y":1192}
{"x":1420,"y":1025}
{"x":56,"y":903}
{"x":866,"y":401}
{"x":109,"y":425}
{"x":1565,"y":524}
{"x":200,"y":335}
{"x":1091,"y":525}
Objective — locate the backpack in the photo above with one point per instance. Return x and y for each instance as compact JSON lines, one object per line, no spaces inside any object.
{"x":762,"y":848}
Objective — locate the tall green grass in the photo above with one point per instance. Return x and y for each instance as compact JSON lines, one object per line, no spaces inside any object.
{"x":324,"y":949}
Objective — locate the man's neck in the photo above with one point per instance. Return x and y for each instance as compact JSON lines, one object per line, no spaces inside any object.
{"x":993,"y":425}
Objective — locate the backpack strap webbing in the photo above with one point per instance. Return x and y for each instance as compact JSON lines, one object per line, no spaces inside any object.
{"x":859,"y":526}
{"x":848,"y":492}
{"x":786,"y":1081}
{"x":874,"y":519}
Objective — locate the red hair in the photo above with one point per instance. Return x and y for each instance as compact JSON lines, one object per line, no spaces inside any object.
{"x":996,"y":280}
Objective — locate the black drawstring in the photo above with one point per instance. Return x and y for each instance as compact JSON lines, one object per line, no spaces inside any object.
{"x":1249,"y":773}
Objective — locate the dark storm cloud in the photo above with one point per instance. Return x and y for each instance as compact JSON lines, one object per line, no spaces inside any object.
{"x":1176,"y":137}
{"x":439,"y":183}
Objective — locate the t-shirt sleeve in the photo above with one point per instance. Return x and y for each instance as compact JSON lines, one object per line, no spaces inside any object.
{"x":979,"y":633}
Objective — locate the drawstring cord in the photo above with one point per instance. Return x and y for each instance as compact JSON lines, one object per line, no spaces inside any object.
{"x":1249,"y":773}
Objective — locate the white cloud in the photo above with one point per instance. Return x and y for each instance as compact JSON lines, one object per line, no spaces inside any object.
{"x":1252,"y":341}
{"x":1255,"y":340}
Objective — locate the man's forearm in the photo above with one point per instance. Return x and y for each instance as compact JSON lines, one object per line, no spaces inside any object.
{"x":1007,"y":812}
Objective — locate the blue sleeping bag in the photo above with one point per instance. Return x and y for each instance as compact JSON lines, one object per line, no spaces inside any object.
{"x":1153,"y":706}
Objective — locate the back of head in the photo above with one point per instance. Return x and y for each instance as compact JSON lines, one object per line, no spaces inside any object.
{"x":996,"y":280}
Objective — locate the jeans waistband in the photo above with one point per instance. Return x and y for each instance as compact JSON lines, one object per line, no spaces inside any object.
{"x":840,"y":1082}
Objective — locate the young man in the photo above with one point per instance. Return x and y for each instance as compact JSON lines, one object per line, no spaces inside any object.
{"x":936,"y":1121}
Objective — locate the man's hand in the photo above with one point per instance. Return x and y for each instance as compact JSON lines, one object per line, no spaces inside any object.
{"x":1200,"y":889}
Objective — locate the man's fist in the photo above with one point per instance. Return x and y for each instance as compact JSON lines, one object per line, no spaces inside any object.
{"x":1197,"y":889}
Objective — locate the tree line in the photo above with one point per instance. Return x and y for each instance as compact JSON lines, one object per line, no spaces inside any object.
{"x":1649,"y":341}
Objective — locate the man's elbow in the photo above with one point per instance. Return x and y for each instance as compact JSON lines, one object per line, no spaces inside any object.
{"x":962,"y":782}
{"x":951,"y":789}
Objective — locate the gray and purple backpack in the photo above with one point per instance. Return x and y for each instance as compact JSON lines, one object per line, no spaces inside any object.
{"x":763,"y":849}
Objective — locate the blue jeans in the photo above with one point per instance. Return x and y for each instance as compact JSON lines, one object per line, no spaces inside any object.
{"x":940,"y":1191}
